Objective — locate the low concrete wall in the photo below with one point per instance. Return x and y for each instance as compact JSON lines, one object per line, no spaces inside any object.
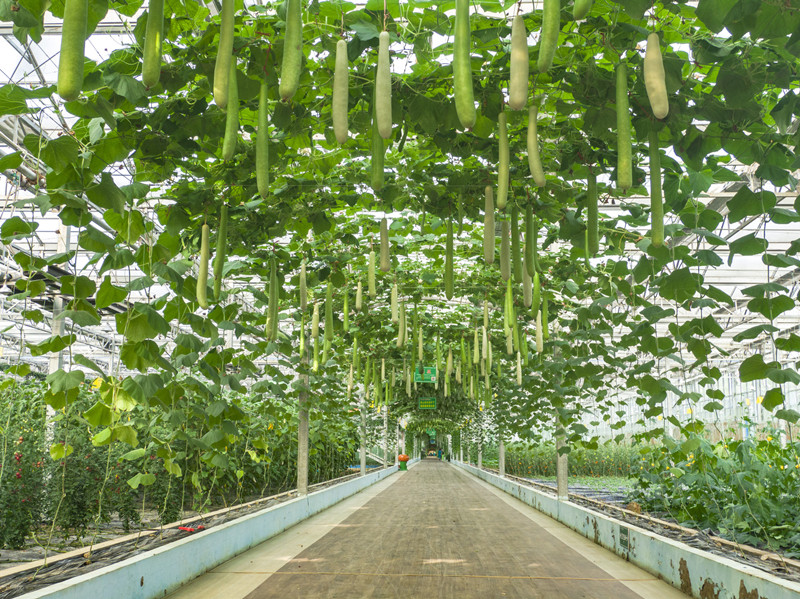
{"x":162,"y":570}
{"x":695,"y":572}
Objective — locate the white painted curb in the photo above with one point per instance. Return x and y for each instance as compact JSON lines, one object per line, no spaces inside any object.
{"x":697,"y":573}
{"x":157,"y":572}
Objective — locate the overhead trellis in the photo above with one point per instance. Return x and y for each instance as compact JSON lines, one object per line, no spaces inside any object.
{"x":239,"y":121}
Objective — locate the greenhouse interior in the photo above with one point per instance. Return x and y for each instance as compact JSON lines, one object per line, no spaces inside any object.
{"x":394,"y":298}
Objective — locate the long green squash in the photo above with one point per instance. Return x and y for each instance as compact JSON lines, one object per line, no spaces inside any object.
{"x":516,"y":255}
{"x":371,"y":274}
{"x":488,"y":226}
{"x":154,"y":34}
{"x":222,"y":66}
{"x":341,"y":93}
{"x":346,"y":310}
{"x":383,"y":88}
{"x":448,"y":262}
{"x":592,"y":231}
{"x":329,"y":312}
{"x":503,"y":160}
{"x":624,"y":160}
{"x":530,"y":241}
{"x":656,"y":201}
{"x":202,"y":273}
{"x":302,"y":286}
{"x":534,"y":158}
{"x":462,"y":67}
{"x":231,"y":116}
{"x":551,"y":21}
{"x":519,"y":65}
{"x":262,"y":142}
{"x":386,"y":263}
{"x":505,"y":251}
{"x":292,"y":51}
{"x":581,"y":8}
{"x":378,"y":149}
{"x":73,"y":37}
{"x":222,"y":248}
{"x":273,"y":309}
{"x":654,"y":77}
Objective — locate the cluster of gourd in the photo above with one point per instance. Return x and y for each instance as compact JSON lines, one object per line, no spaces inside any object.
{"x":225,"y":92}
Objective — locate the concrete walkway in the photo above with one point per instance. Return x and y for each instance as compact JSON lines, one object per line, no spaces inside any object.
{"x":434,"y":531}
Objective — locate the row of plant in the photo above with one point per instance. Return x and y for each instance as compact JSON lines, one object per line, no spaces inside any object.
{"x":58,"y":477}
{"x":744,"y":490}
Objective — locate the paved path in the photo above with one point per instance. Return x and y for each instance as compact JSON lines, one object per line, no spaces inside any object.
{"x":432,"y":532}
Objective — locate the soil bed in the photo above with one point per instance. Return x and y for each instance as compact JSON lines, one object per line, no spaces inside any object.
{"x":611,"y":503}
{"x":113,"y":545}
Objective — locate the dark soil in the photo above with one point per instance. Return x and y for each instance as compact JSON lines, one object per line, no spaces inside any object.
{"x":86,"y":559}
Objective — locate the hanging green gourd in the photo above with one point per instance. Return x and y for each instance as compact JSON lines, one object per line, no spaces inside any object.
{"x":505,"y":251}
{"x":346,"y":310}
{"x":502,"y":161}
{"x":341,"y":93}
{"x":656,"y":201}
{"x":371,"y":274}
{"x":534,"y":158}
{"x":231,"y":116}
{"x":448,"y":262}
{"x":154,"y":34}
{"x":222,"y":248}
{"x":462,"y":67}
{"x":292,"y":51}
{"x":518,"y":65}
{"x":592,"y":228}
{"x":488,"y":226}
{"x":202,"y":274}
{"x":383,"y":88}
{"x":386,"y":264}
{"x":516,"y":256}
{"x":548,"y":42}
{"x":655,"y":78}
{"x":262,"y":142}
{"x":624,"y":150}
{"x":222,"y":66}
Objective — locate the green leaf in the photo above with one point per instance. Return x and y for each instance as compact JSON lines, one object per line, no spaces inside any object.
{"x":126,"y":434}
{"x":771,"y":307}
{"x":61,"y":381}
{"x":134,"y":454}
{"x":11,"y":161}
{"x":746,"y":203}
{"x":753,"y":368}
{"x":59,"y":153}
{"x":748,"y":245}
{"x":109,"y":294}
{"x":59,"y":451}
{"x":107,"y":195}
{"x":772,"y":399}
{"x":714,"y":12}
{"x":788,"y":415}
{"x":98,"y":415}
{"x":679,"y":285}
{"x":141,"y":479}
{"x":16,"y":228}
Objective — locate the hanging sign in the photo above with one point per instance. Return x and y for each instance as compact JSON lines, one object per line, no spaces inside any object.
{"x":427,"y":403}
{"x":428,"y":375}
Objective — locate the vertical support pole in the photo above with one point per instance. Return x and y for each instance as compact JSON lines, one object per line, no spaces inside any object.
{"x":363,"y":433}
{"x":57,"y":325}
{"x":397,"y":450}
{"x":480,"y":449}
{"x":385,"y":436}
{"x":501,"y":458}
{"x":562,"y":466}
{"x":302,"y":430}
